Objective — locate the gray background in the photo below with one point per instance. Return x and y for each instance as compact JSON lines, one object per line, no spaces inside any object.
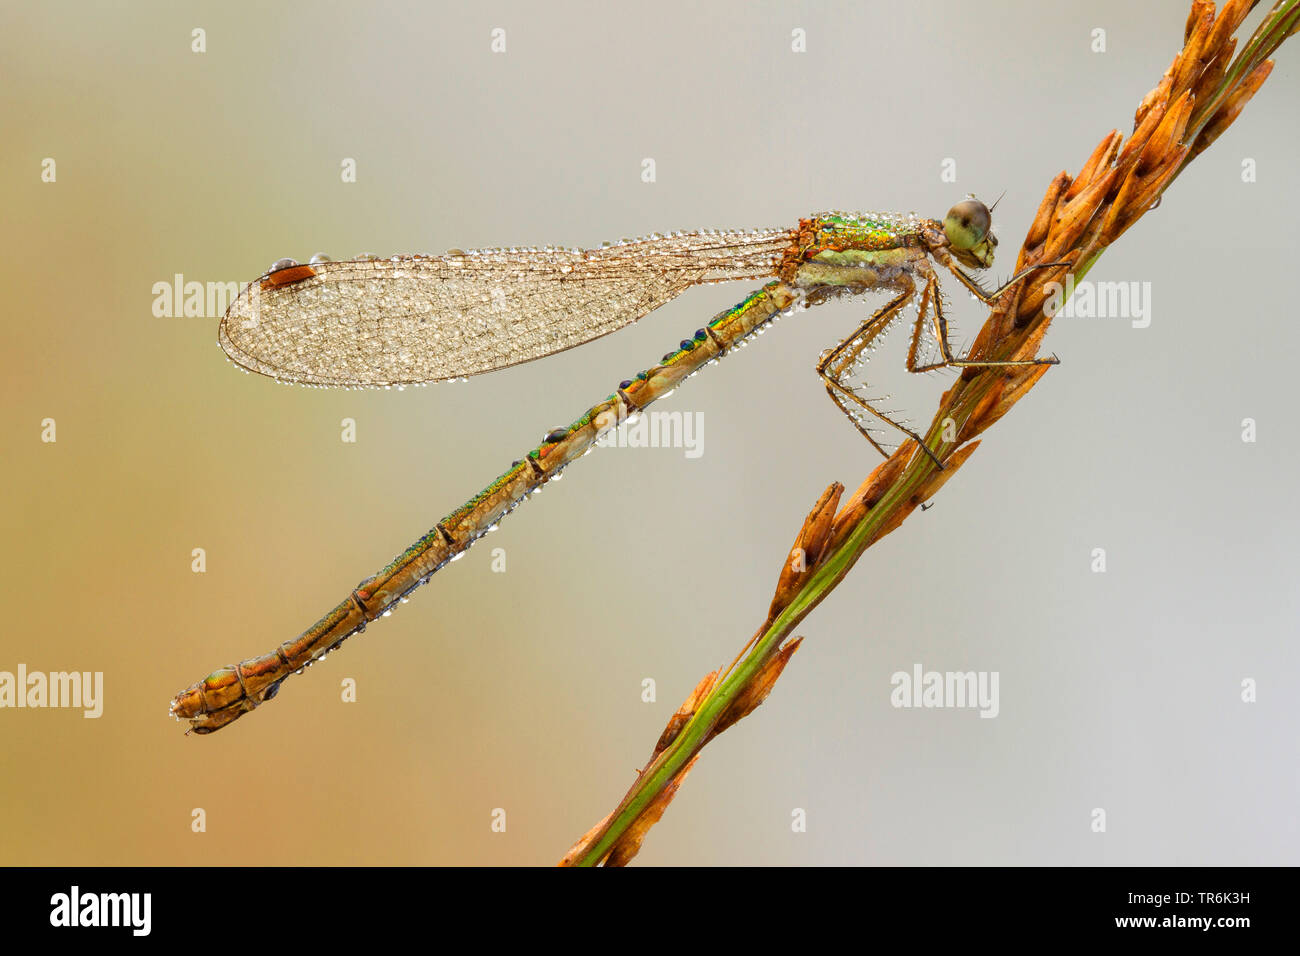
{"x":522,"y":690}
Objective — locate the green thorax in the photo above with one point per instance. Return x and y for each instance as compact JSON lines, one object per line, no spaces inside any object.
{"x":861,"y":232}
{"x":858,"y":248}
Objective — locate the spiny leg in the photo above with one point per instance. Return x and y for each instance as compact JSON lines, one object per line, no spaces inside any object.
{"x":930,"y":290}
{"x":831,"y":390}
{"x":931,"y":297}
{"x":840,"y":358}
{"x":843,"y":355}
{"x":972,"y":284}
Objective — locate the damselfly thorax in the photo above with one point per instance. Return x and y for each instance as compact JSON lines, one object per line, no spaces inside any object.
{"x":410,"y":320}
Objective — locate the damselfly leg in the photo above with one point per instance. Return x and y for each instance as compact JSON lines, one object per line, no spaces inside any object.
{"x":836,"y":364}
{"x":932,"y":302}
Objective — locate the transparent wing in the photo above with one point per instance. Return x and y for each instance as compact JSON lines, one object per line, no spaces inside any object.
{"x":424,"y":319}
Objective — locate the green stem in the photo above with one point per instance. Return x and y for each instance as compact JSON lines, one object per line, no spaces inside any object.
{"x":821,"y":582}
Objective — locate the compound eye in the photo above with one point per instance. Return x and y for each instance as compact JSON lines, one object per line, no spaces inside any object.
{"x":967,"y":223}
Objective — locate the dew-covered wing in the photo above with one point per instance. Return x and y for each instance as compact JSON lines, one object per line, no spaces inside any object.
{"x":425,"y":319}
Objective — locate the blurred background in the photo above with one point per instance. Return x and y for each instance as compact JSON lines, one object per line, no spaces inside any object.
{"x":522,"y":690}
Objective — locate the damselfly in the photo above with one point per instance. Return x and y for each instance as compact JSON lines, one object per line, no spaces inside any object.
{"x":418,"y":319}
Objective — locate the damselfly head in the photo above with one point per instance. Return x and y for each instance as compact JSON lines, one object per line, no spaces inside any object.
{"x":968,"y":227}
